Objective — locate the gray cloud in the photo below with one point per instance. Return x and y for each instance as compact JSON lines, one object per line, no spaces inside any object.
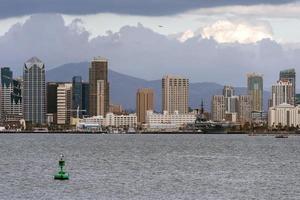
{"x":138,"y":51}
{"x":10,"y":8}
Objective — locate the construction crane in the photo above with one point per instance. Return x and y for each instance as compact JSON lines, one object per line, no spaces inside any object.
{"x":77,"y":111}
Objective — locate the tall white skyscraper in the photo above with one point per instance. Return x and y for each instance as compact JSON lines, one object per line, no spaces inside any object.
{"x":289,"y":75}
{"x":282,"y":92}
{"x":175,"y":94}
{"x":34,"y":96}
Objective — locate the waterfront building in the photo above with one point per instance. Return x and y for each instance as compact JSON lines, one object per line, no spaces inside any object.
{"x":282,"y":92}
{"x":259,"y":117}
{"x":244,"y":109}
{"x":98,"y":87}
{"x":231,"y":117}
{"x":64,"y":99}
{"x":255,"y":90}
{"x":144,"y":102}
{"x":218,"y":108}
{"x":79,"y":96}
{"x":284,"y":115}
{"x":175,"y":94}
{"x":289,"y":75}
{"x":94,"y":123}
{"x":121,"y":121}
{"x":110,"y":120}
{"x":34,"y":95}
{"x":85,"y":97}
{"x":168,"y":120}
{"x":11,"y":96}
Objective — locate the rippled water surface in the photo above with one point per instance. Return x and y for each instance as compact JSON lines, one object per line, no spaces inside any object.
{"x":150,"y":167}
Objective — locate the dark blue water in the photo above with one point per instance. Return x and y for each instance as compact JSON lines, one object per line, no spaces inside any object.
{"x":150,"y":167}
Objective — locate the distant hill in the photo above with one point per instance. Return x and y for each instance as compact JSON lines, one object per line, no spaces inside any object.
{"x":123,"y":87}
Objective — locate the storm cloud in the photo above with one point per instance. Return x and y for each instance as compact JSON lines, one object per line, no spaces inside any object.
{"x":141,"y":52}
{"x":12,"y":8}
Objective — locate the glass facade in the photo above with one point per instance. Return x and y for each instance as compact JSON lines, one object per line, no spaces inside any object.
{"x":34,"y":96}
{"x":80,"y":95}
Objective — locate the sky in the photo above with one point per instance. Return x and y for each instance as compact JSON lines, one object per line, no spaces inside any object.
{"x":192,"y":38}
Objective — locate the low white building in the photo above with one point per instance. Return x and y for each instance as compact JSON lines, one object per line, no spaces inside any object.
{"x":121,"y":120}
{"x":91,"y":123}
{"x":111,"y":120}
{"x":284,"y":114}
{"x":167,"y":120}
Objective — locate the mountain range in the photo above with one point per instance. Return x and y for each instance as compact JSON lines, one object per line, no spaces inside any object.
{"x":123,"y":87}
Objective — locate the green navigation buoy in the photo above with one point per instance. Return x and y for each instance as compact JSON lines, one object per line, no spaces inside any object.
{"x":61,"y":175}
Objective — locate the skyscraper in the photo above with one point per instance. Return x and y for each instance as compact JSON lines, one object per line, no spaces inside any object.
{"x":289,"y":75}
{"x":218,"y":107}
{"x":34,"y":96}
{"x":244,"y":109}
{"x":11,"y":100}
{"x":228,"y":93}
{"x":52,"y":100}
{"x":80,"y":95}
{"x":255,"y":90}
{"x":85,"y":97}
{"x":98,"y":87}
{"x":77,"y":92}
{"x":144,"y":102}
{"x":64,"y":99}
{"x":282,"y":92}
{"x":175,"y":94}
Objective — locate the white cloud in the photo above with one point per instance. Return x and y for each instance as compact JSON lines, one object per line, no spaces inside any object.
{"x":225,"y":31}
{"x":186,"y":35}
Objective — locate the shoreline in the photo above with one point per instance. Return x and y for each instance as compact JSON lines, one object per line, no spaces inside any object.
{"x":292,"y":133}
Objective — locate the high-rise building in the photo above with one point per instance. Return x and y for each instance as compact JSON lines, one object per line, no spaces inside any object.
{"x":144,"y":102}
{"x":289,"y":75}
{"x":11,"y":97}
{"x":218,"y":108}
{"x":284,"y":115}
{"x":255,"y":90}
{"x":85,"y":97}
{"x":34,"y":96}
{"x":52,"y":100}
{"x":175,"y":94}
{"x":98,"y":87}
{"x":282,"y":92}
{"x":77,"y":92}
{"x":244,"y":108}
{"x":228,"y":93}
{"x":79,"y":96}
{"x":64,"y":99}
